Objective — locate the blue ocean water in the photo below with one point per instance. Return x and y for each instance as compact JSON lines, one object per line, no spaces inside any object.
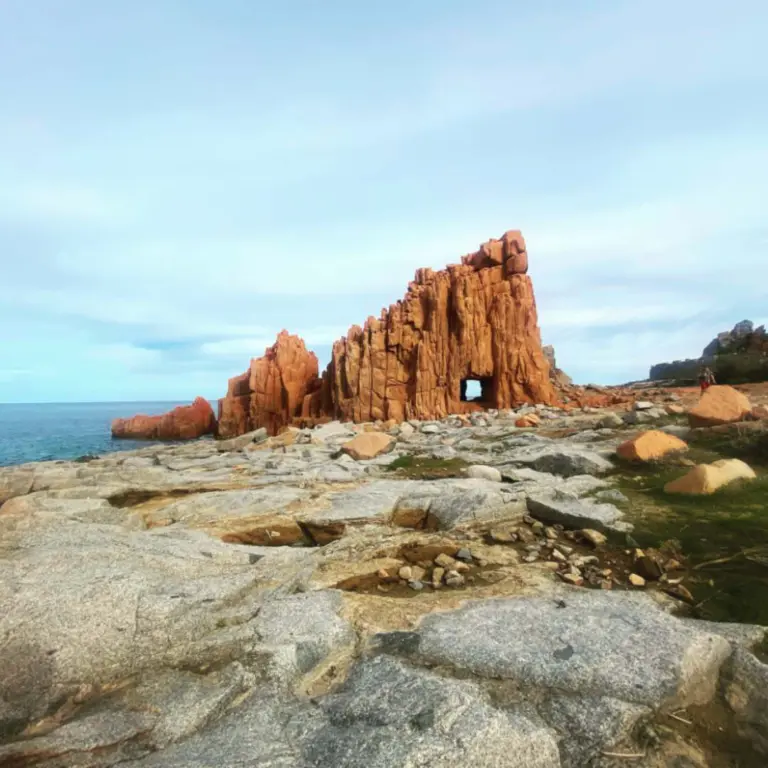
{"x":37,"y":432}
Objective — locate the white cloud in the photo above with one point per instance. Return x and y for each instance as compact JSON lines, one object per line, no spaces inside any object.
{"x":126,"y":356}
{"x":609,"y":315}
{"x":247,"y":348}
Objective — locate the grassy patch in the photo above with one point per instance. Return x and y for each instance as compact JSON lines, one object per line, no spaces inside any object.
{"x":724,"y":535}
{"x":739,"y":442}
{"x":426,"y":468}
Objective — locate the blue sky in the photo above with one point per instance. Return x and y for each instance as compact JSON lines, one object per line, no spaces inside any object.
{"x":180,"y":179}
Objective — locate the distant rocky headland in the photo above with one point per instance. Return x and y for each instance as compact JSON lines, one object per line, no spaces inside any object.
{"x":736,"y":357}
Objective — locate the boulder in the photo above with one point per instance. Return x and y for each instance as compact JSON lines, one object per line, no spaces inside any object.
{"x":529,"y":420}
{"x":446,"y":504}
{"x":369,"y":445}
{"x":591,"y":635}
{"x":650,"y":446}
{"x":563,"y":460}
{"x":720,"y":405}
{"x":484,"y":473}
{"x":611,"y":420}
{"x":746,"y":693}
{"x":388,"y":714}
{"x":640,"y":417}
{"x":707,"y":478}
{"x":575,"y":513}
{"x":185,"y":422}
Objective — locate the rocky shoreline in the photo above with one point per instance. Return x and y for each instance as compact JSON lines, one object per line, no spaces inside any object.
{"x":456,"y":592}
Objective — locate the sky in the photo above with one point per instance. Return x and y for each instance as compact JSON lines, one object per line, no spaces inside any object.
{"x":181,"y":179}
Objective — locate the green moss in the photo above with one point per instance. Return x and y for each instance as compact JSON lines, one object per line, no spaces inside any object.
{"x":426,"y":468}
{"x":740,"y":442}
{"x":724,"y":536}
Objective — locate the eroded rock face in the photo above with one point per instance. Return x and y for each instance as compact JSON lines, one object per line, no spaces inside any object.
{"x":272,"y":392}
{"x":183,"y":423}
{"x":471,"y":321}
{"x":474,"y":321}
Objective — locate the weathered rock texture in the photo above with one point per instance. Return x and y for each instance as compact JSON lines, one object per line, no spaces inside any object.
{"x":183,"y":423}
{"x":272,"y":392}
{"x":471,"y":321}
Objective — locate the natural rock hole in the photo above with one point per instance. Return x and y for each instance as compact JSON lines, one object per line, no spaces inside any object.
{"x":478,"y":390}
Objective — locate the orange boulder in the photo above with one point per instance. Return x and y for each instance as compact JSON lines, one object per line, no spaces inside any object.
{"x":705,"y":479}
{"x":650,"y":446}
{"x":529,"y":420}
{"x":720,"y":405}
{"x":369,"y":445}
{"x":186,"y":422}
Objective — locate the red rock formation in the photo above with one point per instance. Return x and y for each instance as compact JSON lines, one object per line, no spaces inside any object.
{"x":183,"y":423}
{"x":471,"y":321}
{"x":272,"y":392}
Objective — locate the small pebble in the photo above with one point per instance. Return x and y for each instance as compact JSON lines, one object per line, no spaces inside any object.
{"x":417,"y":585}
{"x":445,"y":561}
{"x":550,"y":533}
{"x":461,"y":567}
{"x":636,"y":581}
{"x":454,"y":579}
{"x":537,"y":527}
{"x":526,"y":536}
{"x":406,"y":572}
{"x":532,"y":558}
{"x":437,"y":577}
{"x":464,"y":554}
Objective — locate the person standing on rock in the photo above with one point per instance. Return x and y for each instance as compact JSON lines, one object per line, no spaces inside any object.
{"x":706,"y":378}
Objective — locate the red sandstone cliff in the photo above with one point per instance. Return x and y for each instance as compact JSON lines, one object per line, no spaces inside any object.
{"x":476,"y":320}
{"x":183,"y":423}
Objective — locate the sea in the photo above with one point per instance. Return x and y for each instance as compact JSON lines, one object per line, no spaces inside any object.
{"x":40,"y":432}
